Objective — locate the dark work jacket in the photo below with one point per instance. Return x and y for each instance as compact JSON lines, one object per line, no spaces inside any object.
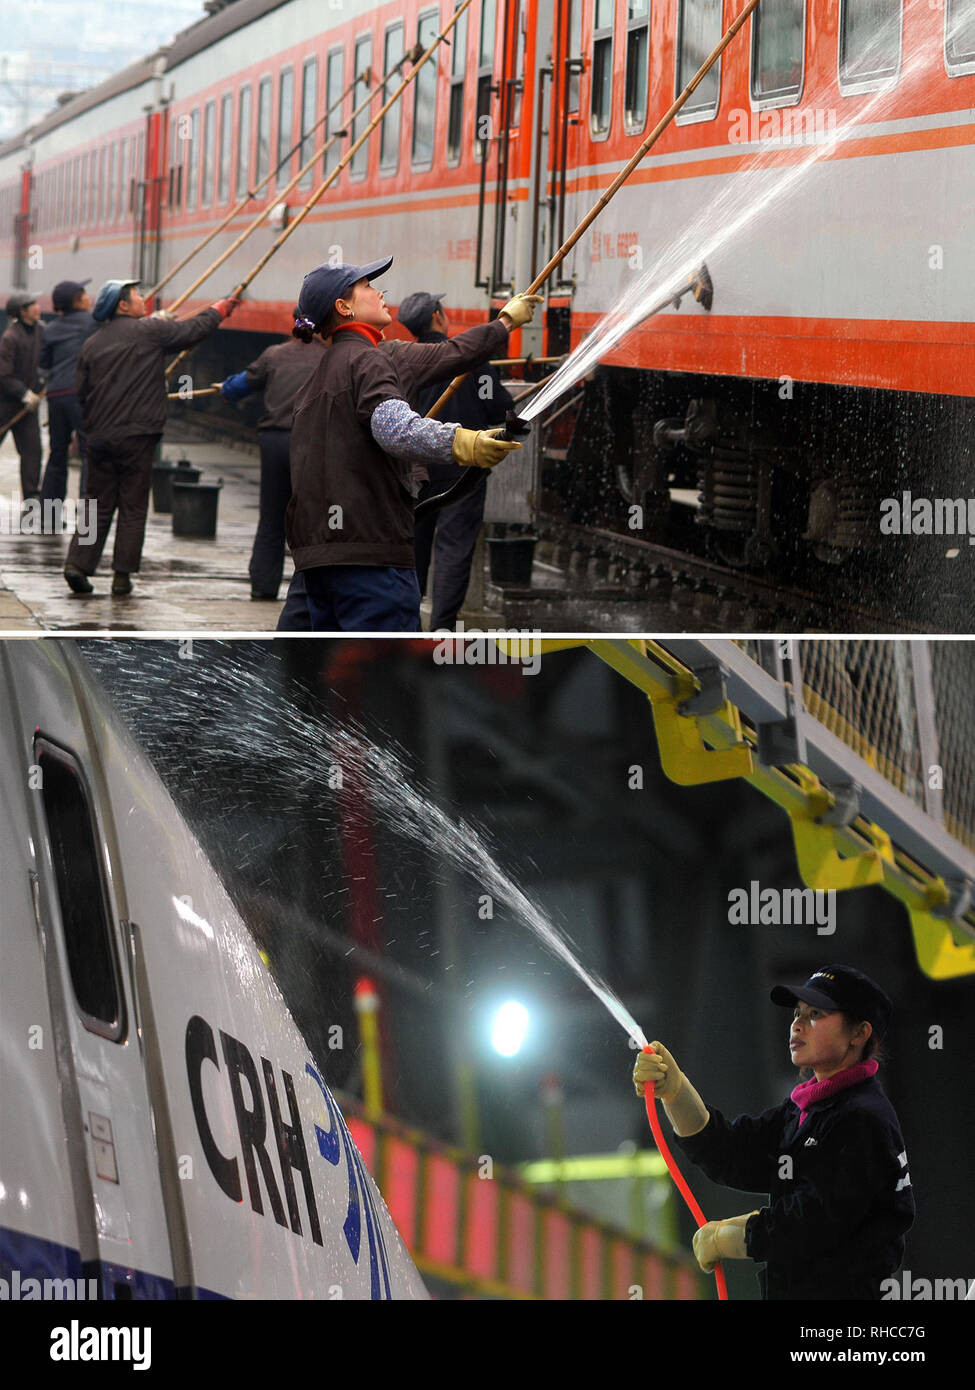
{"x":64,"y":337}
{"x":479,"y":403}
{"x":121,"y":382}
{"x":280,"y":372}
{"x":834,"y":1228}
{"x":20,"y":354}
{"x":336,"y":463}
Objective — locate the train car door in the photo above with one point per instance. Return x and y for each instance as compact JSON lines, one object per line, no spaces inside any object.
{"x":559,"y":155}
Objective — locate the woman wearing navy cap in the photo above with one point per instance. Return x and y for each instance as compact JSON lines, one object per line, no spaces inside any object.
{"x":831,"y":1157}
{"x":356,"y":447}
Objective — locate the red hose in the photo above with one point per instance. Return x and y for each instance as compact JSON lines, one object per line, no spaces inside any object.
{"x":677,"y":1175}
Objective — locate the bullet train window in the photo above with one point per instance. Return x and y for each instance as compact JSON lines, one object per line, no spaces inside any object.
{"x":286,"y":115}
{"x":226,"y":136}
{"x":80,"y":886}
{"x":362,"y":55}
{"x":960,"y":36}
{"x":425,"y":95}
{"x":309,"y":115}
{"x":601,"y":102}
{"x":389,"y":130}
{"x":458,"y":69}
{"x":243,"y":141}
{"x":699,"y":30}
{"x":209,"y":151}
{"x":263,"y":162}
{"x":485,"y":78}
{"x":192,"y":159}
{"x":778,"y":50}
{"x":870,"y":43}
{"x":334,"y":87}
{"x":637,"y":64}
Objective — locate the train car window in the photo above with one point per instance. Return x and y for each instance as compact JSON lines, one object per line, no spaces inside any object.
{"x":485,"y":78}
{"x":309,"y":115}
{"x":960,"y":36}
{"x":870,"y":43}
{"x":83,"y":192}
{"x":193,"y":160}
{"x":123,"y":178}
{"x":518,"y":73}
{"x":226,"y":135}
{"x":601,"y":100}
{"x":79,"y":883}
{"x":334,"y":87}
{"x":263,"y":163}
{"x":112,"y":182}
{"x":102,"y":185}
{"x":389,"y":130}
{"x":286,"y":115}
{"x":778,"y":50}
{"x":637,"y":65}
{"x":209,"y":151}
{"x":243,"y":141}
{"x":699,"y":30}
{"x":458,"y":68}
{"x":363,"y":61}
{"x":425,"y":94}
{"x":575,"y":51}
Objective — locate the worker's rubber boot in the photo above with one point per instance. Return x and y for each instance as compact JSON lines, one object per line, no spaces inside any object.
{"x":121,"y":584}
{"x":78,"y":581}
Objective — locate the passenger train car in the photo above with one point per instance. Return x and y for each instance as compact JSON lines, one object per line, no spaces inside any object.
{"x":823,"y":170}
{"x":166,"y":1132}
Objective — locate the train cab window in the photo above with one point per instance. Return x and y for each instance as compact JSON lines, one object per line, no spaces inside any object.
{"x":263,"y":163}
{"x":425,"y":95}
{"x":485,"y":78}
{"x":309,"y":115}
{"x":193,"y":160}
{"x":79,"y":883}
{"x":458,"y":68}
{"x":389,"y":130}
{"x":960,"y":36}
{"x":334,"y":87}
{"x":601,"y":102}
{"x":362,"y":55}
{"x":226,"y":135}
{"x":699,"y":31}
{"x":286,"y":113}
{"x":870,"y":43}
{"x":209,"y":151}
{"x":637,"y":64}
{"x":778,"y":50}
{"x":243,"y":141}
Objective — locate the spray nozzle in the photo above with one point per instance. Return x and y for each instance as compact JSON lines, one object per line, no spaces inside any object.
{"x":515,"y":427}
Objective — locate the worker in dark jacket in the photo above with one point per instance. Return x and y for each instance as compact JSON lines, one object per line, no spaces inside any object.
{"x":121,"y":386}
{"x":63,"y":341}
{"x":21,"y":386}
{"x":355,"y":446}
{"x":280,"y":372}
{"x":450,"y":535}
{"x":831,"y":1157}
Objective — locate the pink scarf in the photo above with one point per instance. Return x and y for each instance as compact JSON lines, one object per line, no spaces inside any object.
{"x":809,"y":1092}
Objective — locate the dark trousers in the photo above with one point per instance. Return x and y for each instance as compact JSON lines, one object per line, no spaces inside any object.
{"x":450,"y":536}
{"x":362,"y":598}
{"x":64,"y":419}
{"x":27,"y":437}
{"x":267,"y":556}
{"x":119,"y":477}
{"x":294,"y":616}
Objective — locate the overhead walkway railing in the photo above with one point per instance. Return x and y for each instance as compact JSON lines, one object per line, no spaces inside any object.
{"x":483,"y":1230}
{"x":867,"y":746}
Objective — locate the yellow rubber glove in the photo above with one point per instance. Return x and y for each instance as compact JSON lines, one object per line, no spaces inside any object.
{"x":481,"y":448}
{"x":685,"y":1109}
{"x":520,"y":309}
{"x":721,"y":1240}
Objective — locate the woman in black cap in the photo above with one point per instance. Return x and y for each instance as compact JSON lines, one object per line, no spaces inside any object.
{"x":357,"y":448}
{"x":831,"y":1157}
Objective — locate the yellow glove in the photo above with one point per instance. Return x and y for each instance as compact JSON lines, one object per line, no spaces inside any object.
{"x":30,"y":399}
{"x":164,"y":314}
{"x":721,"y":1240}
{"x":481,"y":448}
{"x":520,"y":309}
{"x":660,"y":1068}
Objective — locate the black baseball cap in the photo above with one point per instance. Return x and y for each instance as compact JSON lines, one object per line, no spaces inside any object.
{"x":325,"y":284}
{"x":418,"y":309}
{"x":841,"y":987}
{"x":65,"y":292}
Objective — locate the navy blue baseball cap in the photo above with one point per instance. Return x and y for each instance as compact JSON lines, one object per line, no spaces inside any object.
{"x":841,"y":987}
{"x":325,"y":284}
{"x":65,"y":292}
{"x":108,"y":298}
{"x":418,"y":309}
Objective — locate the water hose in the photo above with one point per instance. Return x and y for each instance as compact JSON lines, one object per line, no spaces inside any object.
{"x":678,"y":1176}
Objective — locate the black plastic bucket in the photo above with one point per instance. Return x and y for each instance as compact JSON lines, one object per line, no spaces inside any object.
{"x":163,"y":476}
{"x":511,"y":558}
{"x":195,"y":508}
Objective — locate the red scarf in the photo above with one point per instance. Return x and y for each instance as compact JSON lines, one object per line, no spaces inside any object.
{"x":373,"y":334}
{"x":809,"y":1092}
